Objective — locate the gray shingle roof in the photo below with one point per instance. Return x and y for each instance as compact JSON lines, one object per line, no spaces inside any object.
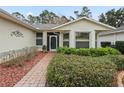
{"x":120,"y":28}
{"x":45,"y":26}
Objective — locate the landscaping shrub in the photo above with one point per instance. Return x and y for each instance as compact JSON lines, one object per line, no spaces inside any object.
{"x":27,"y":54}
{"x":89,"y":51}
{"x":118,"y":60}
{"x":106,"y":44}
{"x":120,"y":46}
{"x":81,"y":71}
{"x":19,"y":61}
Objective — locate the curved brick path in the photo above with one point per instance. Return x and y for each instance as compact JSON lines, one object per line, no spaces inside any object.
{"x":36,"y":77}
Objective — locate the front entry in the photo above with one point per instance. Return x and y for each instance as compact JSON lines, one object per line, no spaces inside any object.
{"x":53,"y":42}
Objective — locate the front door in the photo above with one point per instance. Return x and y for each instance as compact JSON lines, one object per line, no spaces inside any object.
{"x":53,"y":43}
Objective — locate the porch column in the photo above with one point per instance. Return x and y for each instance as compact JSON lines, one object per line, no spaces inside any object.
{"x":98,"y":41}
{"x":45,"y":38}
{"x":61,"y":39}
{"x":92,"y":39}
{"x":72,"y":39}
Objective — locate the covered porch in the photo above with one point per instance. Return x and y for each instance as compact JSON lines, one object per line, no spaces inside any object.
{"x":61,"y":38}
{"x":79,"y":33}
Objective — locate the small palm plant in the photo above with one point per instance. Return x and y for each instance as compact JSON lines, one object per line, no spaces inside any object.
{"x":44,"y":48}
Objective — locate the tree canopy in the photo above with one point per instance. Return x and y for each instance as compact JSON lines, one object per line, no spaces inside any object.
{"x":45,"y":17}
{"x":113,"y":17}
{"x":48,"y":17}
{"x":85,"y":12}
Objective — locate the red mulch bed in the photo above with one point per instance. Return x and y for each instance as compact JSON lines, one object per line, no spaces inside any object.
{"x":9,"y":76}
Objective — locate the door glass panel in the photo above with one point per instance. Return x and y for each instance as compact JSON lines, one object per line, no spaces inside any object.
{"x":53,"y":42}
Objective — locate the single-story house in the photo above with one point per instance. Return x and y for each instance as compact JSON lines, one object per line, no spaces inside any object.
{"x":112,"y":36}
{"x":79,"y":33}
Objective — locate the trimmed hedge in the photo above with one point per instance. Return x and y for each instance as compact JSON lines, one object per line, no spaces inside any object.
{"x":118,"y":60}
{"x":120,"y":46}
{"x":106,"y":44}
{"x":81,"y":71}
{"x":89,"y":51}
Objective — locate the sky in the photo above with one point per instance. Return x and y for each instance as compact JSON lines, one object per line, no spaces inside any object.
{"x":60,"y":10}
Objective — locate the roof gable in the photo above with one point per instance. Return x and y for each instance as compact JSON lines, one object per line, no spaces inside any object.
{"x":85,"y":18}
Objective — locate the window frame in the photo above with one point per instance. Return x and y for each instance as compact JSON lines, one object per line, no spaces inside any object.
{"x":66,"y":40}
{"x":39,"y":38}
{"x":82,"y":40}
{"x":68,"y":36}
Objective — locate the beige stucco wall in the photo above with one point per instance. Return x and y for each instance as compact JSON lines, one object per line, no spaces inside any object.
{"x":8,"y":42}
{"x":112,"y":38}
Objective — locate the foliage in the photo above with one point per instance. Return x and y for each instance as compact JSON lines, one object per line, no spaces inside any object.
{"x":81,"y":71}
{"x":89,"y":51}
{"x":26,"y":55}
{"x":48,"y":17}
{"x":105,"y":44}
{"x":18,"y":15}
{"x":120,"y":46}
{"x":118,"y":60}
{"x":113,"y":17}
{"x":44,"y":48}
{"x":45,"y":17}
{"x":84,"y":13}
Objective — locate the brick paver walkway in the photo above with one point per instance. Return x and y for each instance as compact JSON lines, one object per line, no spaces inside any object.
{"x":119,"y":79}
{"x":36,"y":77}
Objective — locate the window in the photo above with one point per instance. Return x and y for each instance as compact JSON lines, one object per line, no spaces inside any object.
{"x":82,"y":44}
{"x":39,"y":40}
{"x":66,"y":36}
{"x":66,"y":39}
{"x":82,"y":36}
{"x":66,"y":43}
{"x":82,"y":40}
{"x":96,"y":40}
{"x":105,"y":44}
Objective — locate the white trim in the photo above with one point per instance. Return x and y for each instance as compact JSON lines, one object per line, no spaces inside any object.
{"x":114,"y":32}
{"x":82,"y":40}
{"x":50,"y":42}
{"x":72,"y":39}
{"x":65,"y":39}
{"x":92,"y":39}
{"x":45,"y":38}
{"x":39,"y":37}
{"x":61,"y":39}
{"x":110,"y":27}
